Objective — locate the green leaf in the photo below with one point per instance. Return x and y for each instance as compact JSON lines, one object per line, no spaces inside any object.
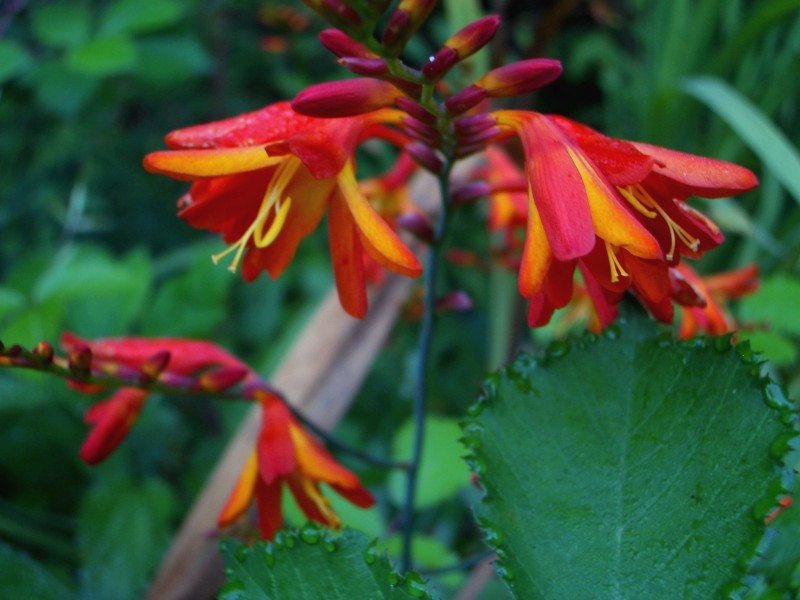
{"x":104,"y":57}
{"x":314,"y":565}
{"x":627,"y":469}
{"x":13,"y":59}
{"x":61,"y":24}
{"x":124,"y":529}
{"x":23,"y":577}
{"x":61,"y":90}
{"x":771,"y":345}
{"x":165,"y":60}
{"x":753,"y":126}
{"x":442,"y":472}
{"x":775,"y":304}
{"x":140,"y":16}
{"x":99,"y":293}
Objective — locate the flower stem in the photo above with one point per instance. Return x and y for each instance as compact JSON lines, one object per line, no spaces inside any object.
{"x":423,"y":358}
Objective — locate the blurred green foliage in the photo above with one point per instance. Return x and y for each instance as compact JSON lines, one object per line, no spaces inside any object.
{"x":90,"y":242}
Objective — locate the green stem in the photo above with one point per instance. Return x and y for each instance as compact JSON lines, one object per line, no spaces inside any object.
{"x":423,"y":357}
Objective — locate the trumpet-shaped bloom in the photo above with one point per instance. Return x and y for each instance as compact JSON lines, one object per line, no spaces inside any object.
{"x":264,"y":179}
{"x":112,"y":419}
{"x":614,"y":209}
{"x":286,"y":454}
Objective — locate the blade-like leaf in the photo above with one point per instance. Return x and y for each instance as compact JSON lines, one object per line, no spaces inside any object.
{"x":753,"y":126}
{"x":629,"y":469}
{"x":314,"y":565}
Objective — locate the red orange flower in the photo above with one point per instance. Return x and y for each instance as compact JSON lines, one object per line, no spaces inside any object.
{"x":264,"y":179}
{"x":615,"y":209}
{"x":112,"y":419}
{"x":286,"y":454}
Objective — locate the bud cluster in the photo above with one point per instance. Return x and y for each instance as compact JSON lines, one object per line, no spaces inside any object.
{"x":433,"y":114}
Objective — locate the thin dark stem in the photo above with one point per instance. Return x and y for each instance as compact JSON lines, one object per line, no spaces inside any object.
{"x":344,"y":447}
{"x":423,"y":355}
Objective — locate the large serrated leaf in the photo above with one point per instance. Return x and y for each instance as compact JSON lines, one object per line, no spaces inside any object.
{"x":627,"y":469}
{"x":315,"y":565}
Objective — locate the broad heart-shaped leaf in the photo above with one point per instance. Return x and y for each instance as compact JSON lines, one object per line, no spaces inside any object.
{"x":313,"y":564}
{"x":625,"y":466}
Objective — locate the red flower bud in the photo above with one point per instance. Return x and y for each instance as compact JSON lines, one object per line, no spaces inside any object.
{"x":404,"y":22}
{"x":458,"y":301}
{"x":79,"y":360}
{"x":520,"y":77}
{"x":154,"y":366}
{"x":219,"y":380}
{"x":425,"y":156}
{"x":511,"y":80}
{"x":470,"y":192}
{"x":417,"y":225}
{"x":44,"y":352}
{"x":342,"y":45}
{"x":415,"y":110}
{"x":465,"y":99}
{"x":345,"y":98}
{"x":421,"y":131}
{"x":372,"y":67}
{"x":463,"y":44}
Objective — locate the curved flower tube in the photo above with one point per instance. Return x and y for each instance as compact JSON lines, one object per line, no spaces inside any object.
{"x":264,"y":179}
{"x":286,"y":454}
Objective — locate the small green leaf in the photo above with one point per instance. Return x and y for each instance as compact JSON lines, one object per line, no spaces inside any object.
{"x":13,"y":59}
{"x":61,"y":24}
{"x":104,"y":57}
{"x":313,"y":565}
{"x":753,"y":126}
{"x":442,"y":472}
{"x":628,"y":468}
{"x":23,"y":577}
{"x":140,"y":16}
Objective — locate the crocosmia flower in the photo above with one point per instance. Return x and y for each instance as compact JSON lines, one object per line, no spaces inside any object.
{"x":264,"y":180}
{"x":112,"y":419}
{"x":286,"y":454}
{"x":616,"y":210}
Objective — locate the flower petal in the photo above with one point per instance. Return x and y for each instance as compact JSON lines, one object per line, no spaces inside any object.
{"x":346,"y":250}
{"x":242,"y":493}
{"x":380,"y":241}
{"x":693,"y":175}
{"x":194,"y":164}
{"x":536,"y":255}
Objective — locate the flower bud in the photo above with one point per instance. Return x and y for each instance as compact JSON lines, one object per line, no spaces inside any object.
{"x":341,"y":45}
{"x":463,"y":44}
{"x":421,"y":131}
{"x":472,"y":124}
{"x":404,"y":22}
{"x":345,"y":98}
{"x":416,"y":224}
{"x":43,"y":351}
{"x":336,"y":12}
{"x":470,"y":192}
{"x":407,"y":105}
{"x":458,"y":301}
{"x":425,"y":156}
{"x":371,"y":67}
{"x":154,"y":366}
{"x":79,"y":360}
{"x":511,"y":80}
{"x":219,"y":380}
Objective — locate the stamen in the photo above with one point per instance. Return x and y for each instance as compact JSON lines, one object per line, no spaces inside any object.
{"x":684,"y":236}
{"x":638,"y":201}
{"x":272,"y":200}
{"x":614,"y":265}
